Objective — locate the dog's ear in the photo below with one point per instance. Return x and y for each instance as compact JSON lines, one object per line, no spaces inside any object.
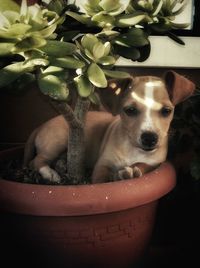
{"x":112,"y":95}
{"x":179,"y":87}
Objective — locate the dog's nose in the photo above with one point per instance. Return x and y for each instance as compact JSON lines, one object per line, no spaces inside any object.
{"x":149,"y":140}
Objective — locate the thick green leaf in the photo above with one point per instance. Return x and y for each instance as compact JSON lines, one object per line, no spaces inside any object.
{"x":57,"y":6}
{"x":4,"y":22}
{"x":103,"y":20}
{"x":29,"y":43}
{"x":109,"y":5}
{"x":157,"y":8}
{"x":98,"y":50}
{"x":134,"y":37}
{"x":180,"y":10}
{"x":11,"y":72}
{"x":12,"y":16}
{"x":114,"y":7}
{"x":89,"y":54}
{"x":53,"y":70}
{"x":144,"y":52}
{"x":145,"y":5}
{"x":96,"y":76}
{"x":9,"y":5}
{"x":57,"y":48}
{"x":53,"y":86}
{"x":179,"y":25}
{"x":84,"y":87}
{"x":107,"y":34}
{"x":107,"y":47}
{"x":81,"y":18}
{"x":46,"y":32}
{"x":88,"y":41}
{"x":116,"y":74}
{"x":92,"y":7}
{"x":107,"y":60}
{"x":6,"y":48}
{"x":129,"y":20}
{"x":161,"y":27}
{"x":18,"y":29}
{"x":93,"y":3}
{"x":30,"y":64}
{"x":57,"y":71}
{"x":128,"y":52}
{"x":67,"y":62}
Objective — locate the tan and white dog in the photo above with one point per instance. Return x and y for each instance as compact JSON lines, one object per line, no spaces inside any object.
{"x":135,"y":131}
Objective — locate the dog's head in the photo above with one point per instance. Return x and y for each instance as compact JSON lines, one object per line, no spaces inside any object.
{"x":146,"y":105}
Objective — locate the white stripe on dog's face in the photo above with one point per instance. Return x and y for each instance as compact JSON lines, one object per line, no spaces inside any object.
{"x":151,"y":104}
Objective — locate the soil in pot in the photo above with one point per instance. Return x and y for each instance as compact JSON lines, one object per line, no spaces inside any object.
{"x":13,"y":170}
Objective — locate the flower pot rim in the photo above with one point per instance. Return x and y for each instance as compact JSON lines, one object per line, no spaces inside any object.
{"x":79,"y":200}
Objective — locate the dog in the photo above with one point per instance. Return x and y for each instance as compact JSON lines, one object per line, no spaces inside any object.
{"x":128,"y":140}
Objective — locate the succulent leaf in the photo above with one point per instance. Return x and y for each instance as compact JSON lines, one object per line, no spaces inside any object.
{"x":128,"y":52}
{"x":109,"y":5}
{"x":134,"y":37}
{"x":107,"y":60}
{"x":53,"y":86}
{"x":81,"y":18}
{"x":67,"y":62}
{"x":129,"y":20}
{"x":104,"y":20}
{"x":96,"y":76}
{"x":11,"y":72}
{"x":84,"y":87}
{"x":9,"y":5}
{"x":98,"y":50}
{"x":88,"y":41}
{"x":58,"y":48}
{"x":116,"y":74}
{"x":15,"y":30}
{"x":5,"y":49}
{"x":29,"y":43}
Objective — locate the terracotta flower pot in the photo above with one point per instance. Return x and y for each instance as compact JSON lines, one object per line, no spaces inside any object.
{"x":102,"y":225}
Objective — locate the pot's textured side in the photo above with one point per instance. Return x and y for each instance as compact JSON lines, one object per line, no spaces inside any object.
{"x":105,"y":240}
{"x":102,"y":225}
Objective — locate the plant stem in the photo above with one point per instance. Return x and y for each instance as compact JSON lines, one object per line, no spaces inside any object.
{"x":76,"y":143}
{"x":76,"y":140}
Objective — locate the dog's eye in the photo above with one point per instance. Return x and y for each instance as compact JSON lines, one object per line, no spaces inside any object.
{"x":165,"y":111}
{"x":131,"y":111}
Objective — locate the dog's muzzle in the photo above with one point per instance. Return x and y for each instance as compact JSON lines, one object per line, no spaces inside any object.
{"x":149,"y":140}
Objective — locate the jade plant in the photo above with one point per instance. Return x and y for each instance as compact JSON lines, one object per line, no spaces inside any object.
{"x":71,"y":53}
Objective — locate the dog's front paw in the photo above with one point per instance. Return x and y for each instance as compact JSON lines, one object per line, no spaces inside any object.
{"x":125,"y":173}
{"x":49,"y":174}
{"x":137,"y":172}
{"x":129,"y":173}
